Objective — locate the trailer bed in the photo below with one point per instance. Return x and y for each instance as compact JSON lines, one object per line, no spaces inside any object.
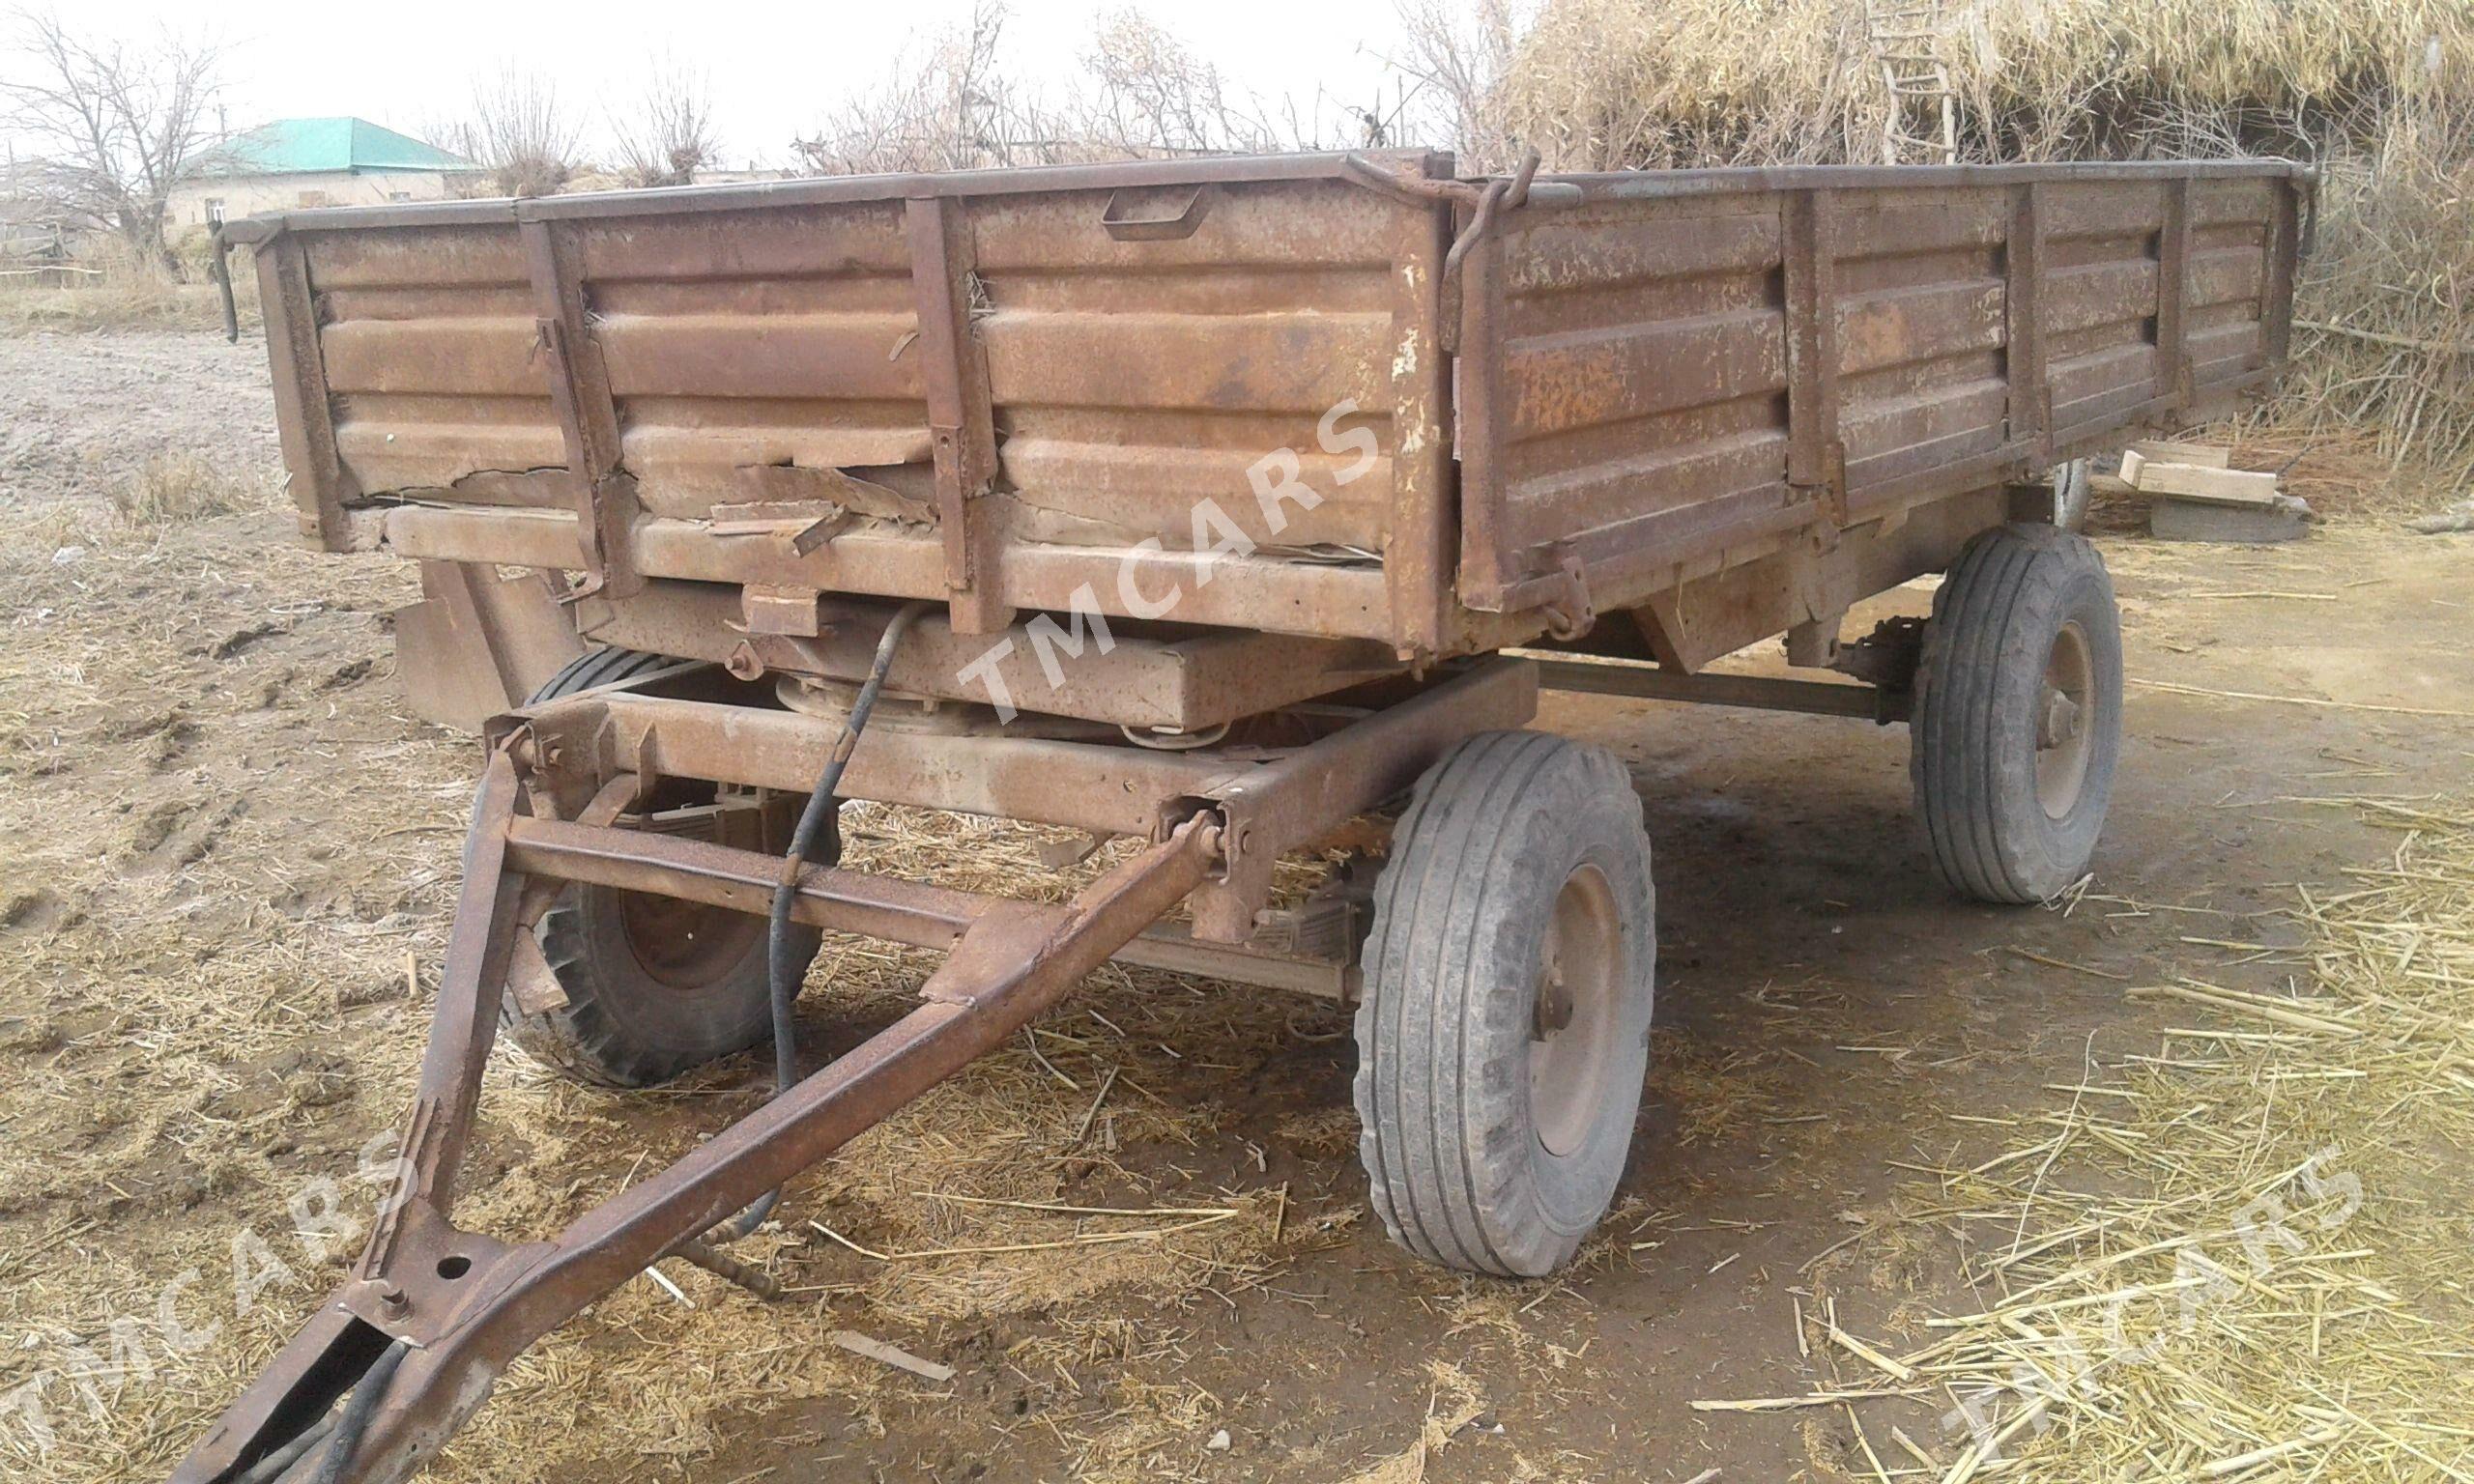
{"x":1514,"y":408}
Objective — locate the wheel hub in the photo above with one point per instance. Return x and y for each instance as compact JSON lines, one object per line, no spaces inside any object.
{"x":2063,"y":739}
{"x":2061,"y":721}
{"x":1554,"y":1000}
{"x":1575,"y":1012}
{"x":684,"y":945}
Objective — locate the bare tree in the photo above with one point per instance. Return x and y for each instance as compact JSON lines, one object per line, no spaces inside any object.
{"x":952,"y":109}
{"x":1140,"y":94}
{"x":111,"y":126}
{"x":1155,"y":97}
{"x":668,"y":137}
{"x":1459,"y":53}
{"x":520,"y":130}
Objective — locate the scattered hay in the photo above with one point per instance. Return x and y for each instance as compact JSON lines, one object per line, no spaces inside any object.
{"x":1452,"y":1405}
{"x":107,"y":288}
{"x":2242,"y":1254}
{"x":182,"y":486}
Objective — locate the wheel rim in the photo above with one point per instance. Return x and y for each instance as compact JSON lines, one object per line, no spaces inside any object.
{"x":684,"y":945}
{"x":1577,"y":1010}
{"x":2065,"y":721}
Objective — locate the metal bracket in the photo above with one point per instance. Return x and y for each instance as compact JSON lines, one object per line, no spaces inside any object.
{"x":1570,"y":613}
{"x":1832,"y":489}
{"x":961,"y":419}
{"x":605,"y":494}
{"x":1504,"y":194}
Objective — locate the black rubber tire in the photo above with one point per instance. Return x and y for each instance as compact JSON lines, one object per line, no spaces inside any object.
{"x":1455,"y":1165}
{"x":622,"y":1026}
{"x":1974,"y":727}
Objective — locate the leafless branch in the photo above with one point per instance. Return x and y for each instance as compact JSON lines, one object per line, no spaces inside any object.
{"x":669,"y":135}
{"x":521,"y":131}
{"x":110,"y":126}
{"x":1460,"y":52}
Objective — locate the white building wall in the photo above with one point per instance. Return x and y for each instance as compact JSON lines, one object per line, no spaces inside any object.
{"x":193,"y":205}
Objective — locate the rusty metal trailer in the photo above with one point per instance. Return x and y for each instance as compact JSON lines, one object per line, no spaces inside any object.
{"x":1194,"y":502}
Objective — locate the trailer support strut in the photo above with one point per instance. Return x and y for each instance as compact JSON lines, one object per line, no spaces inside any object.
{"x":464,"y":1304}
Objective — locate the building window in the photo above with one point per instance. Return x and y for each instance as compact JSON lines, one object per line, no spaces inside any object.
{"x":399,"y":195}
{"x":214,"y":211}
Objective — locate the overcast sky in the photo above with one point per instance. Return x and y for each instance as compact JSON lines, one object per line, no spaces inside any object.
{"x":774,"y":67}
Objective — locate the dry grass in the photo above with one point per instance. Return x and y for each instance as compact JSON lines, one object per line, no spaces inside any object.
{"x":109,"y":290}
{"x":184,"y":487}
{"x":203,"y":1007}
{"x":2239,"y":1253}
{"x":1626,"y":84}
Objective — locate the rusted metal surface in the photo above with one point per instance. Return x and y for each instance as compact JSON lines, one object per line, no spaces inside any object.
{"x":1728,"y":403}
{"x":1043,"y":373}
{"x":1288,"y":802}
{"x":1277,"y":799}
{"x":2029,"y":399}
{"x":944,"y":275}
{"x":477,"y":645}
{"x":602,"y":491}
{"x":550,"y":810}
{"x":897,"y":911}
{"x":1183,"y":681}
{"x":1694,"y":363}
{"x":1724,"y":606}
{"x":1761,"y":692}
{"x":1248,"y":593}
{"x":1113,"y":789}
{"x":305,"y":426}
{"x":470,"y":1304}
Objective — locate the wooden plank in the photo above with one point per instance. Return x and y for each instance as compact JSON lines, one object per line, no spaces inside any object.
{"x":962,"y":423}
{"x":2192,"y":481}
{"x":894,"y":1356}
{"x":2160,"y":451}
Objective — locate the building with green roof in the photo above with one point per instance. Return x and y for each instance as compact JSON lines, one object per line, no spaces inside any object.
{"x":292,"y":163}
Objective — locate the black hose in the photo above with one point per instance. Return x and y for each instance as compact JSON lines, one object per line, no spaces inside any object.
{"x":267,"y":1469}
{"x":816,"y":840}
{"x":358,"y":1411}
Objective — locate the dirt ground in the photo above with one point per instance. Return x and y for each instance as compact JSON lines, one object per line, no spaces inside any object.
{"x":231,"y":859}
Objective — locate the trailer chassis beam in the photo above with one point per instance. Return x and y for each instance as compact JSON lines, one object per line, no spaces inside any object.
{"x":433,"y":1314}
{"x":467,"y":1304}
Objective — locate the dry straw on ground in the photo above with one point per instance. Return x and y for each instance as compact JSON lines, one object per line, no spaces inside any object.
{"x":181,"y":486}
{"x":106,"y":288}
{"x":248,"y":867}
{"x":2239,"y":1253}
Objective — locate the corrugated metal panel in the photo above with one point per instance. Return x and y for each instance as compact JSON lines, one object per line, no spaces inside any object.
{"x":1637,"y":370}
{"x":1129,"y":379}
{"x":1655,"y":369}
{"x":1635,"y":401}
